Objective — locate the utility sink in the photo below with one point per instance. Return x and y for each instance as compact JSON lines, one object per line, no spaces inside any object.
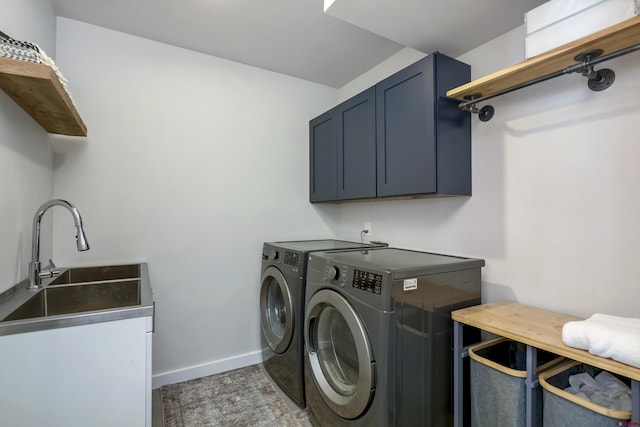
{"x":84,"y":325}
{"x":97,"y":274}
{"x":107,"y":292}
{"x":80,"y":298}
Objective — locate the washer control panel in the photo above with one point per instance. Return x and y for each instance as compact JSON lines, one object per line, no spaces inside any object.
{"x":363,"y":280}
{"x":337,"y":274}
{"x":333,"y":273}
{"x":366,"y":281}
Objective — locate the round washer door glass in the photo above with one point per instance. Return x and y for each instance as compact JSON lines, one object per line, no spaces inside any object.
{"x":339,"y":354}
{"x":276,"y":311}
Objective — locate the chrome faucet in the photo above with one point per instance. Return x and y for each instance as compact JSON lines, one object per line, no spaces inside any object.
{"x":81,"y":240}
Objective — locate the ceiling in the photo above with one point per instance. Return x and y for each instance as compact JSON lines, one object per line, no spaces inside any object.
{"x":297,"y":38}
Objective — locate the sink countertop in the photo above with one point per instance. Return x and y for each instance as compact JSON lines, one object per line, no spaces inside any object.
{"x":17,"y":295}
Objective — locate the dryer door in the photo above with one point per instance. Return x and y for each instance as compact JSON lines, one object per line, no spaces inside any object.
{"x":276,"y":310}
{"x":339,"y":354}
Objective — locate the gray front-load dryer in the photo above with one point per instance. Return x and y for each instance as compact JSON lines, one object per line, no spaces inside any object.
{"x":282,"y":293}
{"x":379,"y":335}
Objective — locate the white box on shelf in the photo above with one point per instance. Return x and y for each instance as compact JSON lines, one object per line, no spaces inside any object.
{"x":558,"y":22}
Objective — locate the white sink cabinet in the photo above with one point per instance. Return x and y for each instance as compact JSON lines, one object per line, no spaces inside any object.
{"x":97,"y":374}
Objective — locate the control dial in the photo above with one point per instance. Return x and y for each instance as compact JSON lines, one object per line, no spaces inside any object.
{"x":333,"y":272}
{"x":275,"y":255}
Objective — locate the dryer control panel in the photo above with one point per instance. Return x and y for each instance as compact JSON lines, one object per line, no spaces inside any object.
{"x":292,"y":258}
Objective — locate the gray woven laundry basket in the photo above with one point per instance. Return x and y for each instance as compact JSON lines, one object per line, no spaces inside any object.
{"x":563,"y":409}
{"x":497,"y":383}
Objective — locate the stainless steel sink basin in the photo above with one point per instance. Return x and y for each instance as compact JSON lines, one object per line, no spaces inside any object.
{"x":69,"y":299}
{"x":97,"y":274}
{"x":78,"y":296}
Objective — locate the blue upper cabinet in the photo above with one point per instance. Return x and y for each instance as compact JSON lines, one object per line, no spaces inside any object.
{"x":323,"y":169}
{"x":342,"y":149}
{"x":423,"y":139}
{"x":357,"y":146}
{"x":402,"y":137}
{"x":406,"y":131}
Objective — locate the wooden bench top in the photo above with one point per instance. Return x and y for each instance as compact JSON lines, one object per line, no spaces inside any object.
{"x":536,"y":327}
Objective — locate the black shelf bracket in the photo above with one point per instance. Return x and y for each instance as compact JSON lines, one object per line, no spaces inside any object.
{"x":597,"y":80}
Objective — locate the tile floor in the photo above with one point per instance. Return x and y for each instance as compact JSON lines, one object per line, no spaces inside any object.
{"x":300,"y":414}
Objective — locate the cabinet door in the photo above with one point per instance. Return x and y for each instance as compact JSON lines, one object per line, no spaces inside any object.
{"x":453,"y":129}
{"x":406,"y":139}
{"x":88,"y":375}
{"x":323,"y":164}
{"x":356,"y":120}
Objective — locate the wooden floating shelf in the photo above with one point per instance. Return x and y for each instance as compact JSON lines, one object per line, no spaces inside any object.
{"x":37,"y":89}
{"x":612,"y":39}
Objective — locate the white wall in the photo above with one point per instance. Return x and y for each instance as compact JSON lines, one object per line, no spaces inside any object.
{"x":191,"y":163}
{"x":383,"y":70}
{"x":554,"y":210}
{"x":26,"y":177}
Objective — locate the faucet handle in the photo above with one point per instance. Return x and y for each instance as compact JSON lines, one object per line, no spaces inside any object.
{"x":50,"y":270}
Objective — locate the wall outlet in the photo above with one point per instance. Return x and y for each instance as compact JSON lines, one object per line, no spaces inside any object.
{"x":366,"y":237}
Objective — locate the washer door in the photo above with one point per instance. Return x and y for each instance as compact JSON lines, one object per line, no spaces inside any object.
{"x":339,"y":354}
{"x":276,"y":310}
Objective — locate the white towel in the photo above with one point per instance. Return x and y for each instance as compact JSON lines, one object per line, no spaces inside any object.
{"x":608,"y":336}
{"x":615,"y":320}
{"x":576,"y":334}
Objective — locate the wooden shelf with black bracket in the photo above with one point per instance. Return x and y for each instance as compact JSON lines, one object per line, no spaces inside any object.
{"x":579,"y":56}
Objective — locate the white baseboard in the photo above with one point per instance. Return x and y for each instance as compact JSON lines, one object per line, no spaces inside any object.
{"x":206,"y":369}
